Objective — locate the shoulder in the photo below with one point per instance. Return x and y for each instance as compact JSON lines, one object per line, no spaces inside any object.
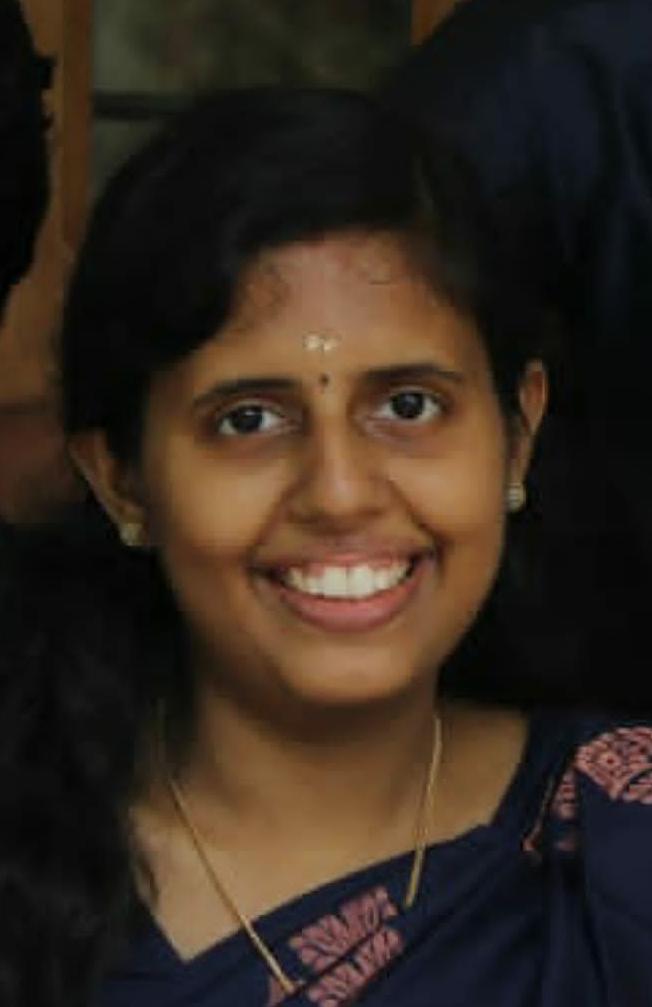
{"x":600,"y":837}
{"x":596,"y":819}
{"x":601,"y":761}
{"x":489,"y":29}
{"x":610,"y":760}
{"x":494,"y":67}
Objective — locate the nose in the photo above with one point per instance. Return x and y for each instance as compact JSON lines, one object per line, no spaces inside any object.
{"x":340,"y":482}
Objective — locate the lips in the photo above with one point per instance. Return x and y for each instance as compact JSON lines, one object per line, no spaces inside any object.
{"x":351,"y":596}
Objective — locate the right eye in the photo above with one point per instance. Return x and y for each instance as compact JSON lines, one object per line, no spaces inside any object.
{"x":248,"y":419}
{"x":412,"y":406}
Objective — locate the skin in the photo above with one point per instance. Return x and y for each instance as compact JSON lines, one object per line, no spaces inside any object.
{"x":318,"y":726}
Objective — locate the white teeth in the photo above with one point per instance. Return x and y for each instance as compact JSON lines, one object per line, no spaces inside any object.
{"x":294,"y":578}
{"x":346,"y":582}
{"x":362,"y":582}
{"x":335,"y":582}
{"x":384,"y":579}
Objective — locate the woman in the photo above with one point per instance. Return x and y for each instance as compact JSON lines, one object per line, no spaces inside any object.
{"x":306,"y":398}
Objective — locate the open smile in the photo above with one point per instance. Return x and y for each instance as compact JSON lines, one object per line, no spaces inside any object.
{"x":349,"y":597}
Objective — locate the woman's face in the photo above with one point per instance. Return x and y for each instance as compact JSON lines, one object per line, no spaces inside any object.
{"x":325,"y":480}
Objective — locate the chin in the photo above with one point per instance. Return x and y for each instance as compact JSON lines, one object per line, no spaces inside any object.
{"x":345,"y":684}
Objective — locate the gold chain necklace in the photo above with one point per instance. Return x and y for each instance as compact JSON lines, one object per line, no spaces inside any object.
{"x":200,"y":846}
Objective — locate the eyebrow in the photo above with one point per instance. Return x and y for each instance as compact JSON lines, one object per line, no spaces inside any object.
{"x":260,"y":385}
{"x":244,"y":386}
{"x":415,"y":372}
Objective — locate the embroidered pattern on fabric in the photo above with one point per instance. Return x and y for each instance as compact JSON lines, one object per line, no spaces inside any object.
{"x":342,"y":985}
{"x":359,"y":929}
{"x":323,"y":944}
{"x":532,"y":839}
{"x":620,"y":762}
{"x":617,"y":761}
{"x":564,"y":803}
{"x":277,"y":994}
{"x":565,"y":808}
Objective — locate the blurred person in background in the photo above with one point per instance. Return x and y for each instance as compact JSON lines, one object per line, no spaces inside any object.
{"x":23,"y":147}
{"x":34,"y":477}
{"x":551,"y":103}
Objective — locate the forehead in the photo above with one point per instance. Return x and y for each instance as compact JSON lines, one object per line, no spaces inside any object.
{"x":367,"y":296}
{"x":339,"y":280}
{"x":308,"y":272}
{"x":348,"y":285}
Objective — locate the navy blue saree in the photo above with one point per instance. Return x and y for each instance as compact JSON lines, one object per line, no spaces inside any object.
{"x":548,"y":906}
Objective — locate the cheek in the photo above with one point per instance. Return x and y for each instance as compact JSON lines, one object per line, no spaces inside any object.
{"x":459,"y":492}
{"x":205,"y":514}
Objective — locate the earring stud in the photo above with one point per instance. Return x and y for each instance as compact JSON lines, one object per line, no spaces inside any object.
{"x":516,"y":497}
{"x":131,"y":533}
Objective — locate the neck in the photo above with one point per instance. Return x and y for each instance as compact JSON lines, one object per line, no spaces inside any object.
{"x":360,"y":769}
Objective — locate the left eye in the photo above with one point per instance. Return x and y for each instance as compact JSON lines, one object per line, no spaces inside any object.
{"x":411,"y":406}
{"x":248,"y":419}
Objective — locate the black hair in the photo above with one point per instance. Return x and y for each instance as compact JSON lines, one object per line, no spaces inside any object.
{"x":246,"y":171}
{"x":157,"y":276}
{"x":23,"y":154}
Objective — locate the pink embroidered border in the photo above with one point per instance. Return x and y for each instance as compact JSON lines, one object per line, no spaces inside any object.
{"x":617,"y":761}
{"x":345,"y":950}
{"x":620,"y":762}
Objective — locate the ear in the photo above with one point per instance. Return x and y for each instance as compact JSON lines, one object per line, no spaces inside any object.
{"x":113,"y":482}
{"x":533,"y":399}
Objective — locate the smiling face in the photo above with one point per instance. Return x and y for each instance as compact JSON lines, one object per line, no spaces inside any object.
{"x":325,"y":480}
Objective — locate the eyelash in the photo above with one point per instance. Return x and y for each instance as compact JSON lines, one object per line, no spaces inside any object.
{"x":257,"y":406}
{"x":435,"y":400}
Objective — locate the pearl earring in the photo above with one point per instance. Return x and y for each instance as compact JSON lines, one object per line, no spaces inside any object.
{"x":131,"y":533}
{"x":516,"y":497}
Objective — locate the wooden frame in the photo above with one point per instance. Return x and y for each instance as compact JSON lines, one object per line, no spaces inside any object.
{"x":62,"y":29}
{"x":426,"y":15}
{"x":32,"y":468}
